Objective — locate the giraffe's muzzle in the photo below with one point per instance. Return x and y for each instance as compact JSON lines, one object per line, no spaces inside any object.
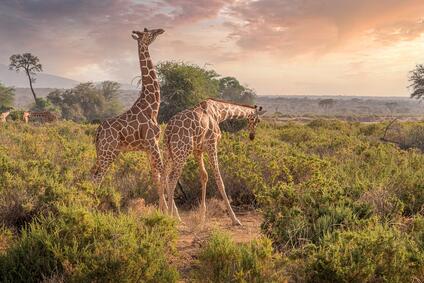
{"x":251,"y":136}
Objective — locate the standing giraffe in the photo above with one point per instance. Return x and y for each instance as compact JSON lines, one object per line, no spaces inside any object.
{"x":3,"y":116}
{"x":197,"y":130}
{"x":44,"y":116}
{"x":137,"y":129}
{"x":25,"y":116}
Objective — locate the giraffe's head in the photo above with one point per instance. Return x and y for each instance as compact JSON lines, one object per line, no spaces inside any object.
{"x":253,"y":120}
{"x":146,"y":37}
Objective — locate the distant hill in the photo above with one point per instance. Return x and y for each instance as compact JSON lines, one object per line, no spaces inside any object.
{"x":12,"y":78}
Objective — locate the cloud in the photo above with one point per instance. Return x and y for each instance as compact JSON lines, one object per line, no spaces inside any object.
{"x":72,"y":34}
{"x":262,"y":42}
{"x":295,"y":27}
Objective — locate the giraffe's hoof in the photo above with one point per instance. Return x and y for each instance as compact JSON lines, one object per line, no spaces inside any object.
{"x":237,"y":222}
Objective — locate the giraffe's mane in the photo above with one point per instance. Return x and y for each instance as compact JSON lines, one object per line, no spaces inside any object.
{"x":233,"y":103}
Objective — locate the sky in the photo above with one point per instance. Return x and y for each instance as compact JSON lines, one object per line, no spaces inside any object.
{"x":276,"y":47}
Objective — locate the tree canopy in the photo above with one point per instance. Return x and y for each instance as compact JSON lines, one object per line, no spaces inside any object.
{"x":416,"y":78}
{"x":183,"y":86}
{"x":28,"y":63}
{"x":87,"y":101}
{"x":231,"y":89}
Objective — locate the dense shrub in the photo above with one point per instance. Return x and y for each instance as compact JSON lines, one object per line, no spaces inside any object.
{"x":221,"y":260}
{"x":319,"y":186}
{"x":293,"y":217}
{"x":375,"y":254}
{"x":6,"y":238}
{"x":416,"y":230}
{"x":87,"y":246}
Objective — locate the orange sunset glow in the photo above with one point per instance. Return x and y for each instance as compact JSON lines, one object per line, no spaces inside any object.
{"x":277,"y":47}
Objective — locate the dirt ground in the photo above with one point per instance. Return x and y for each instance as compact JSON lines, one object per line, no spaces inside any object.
{"x":192,"y":234}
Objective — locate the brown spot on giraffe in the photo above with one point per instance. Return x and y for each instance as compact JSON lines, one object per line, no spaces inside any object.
{"x":137,"y":129}
{"x":201,"y":135}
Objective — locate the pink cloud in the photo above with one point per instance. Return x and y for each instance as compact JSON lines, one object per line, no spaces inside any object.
{"x":316,"y":26}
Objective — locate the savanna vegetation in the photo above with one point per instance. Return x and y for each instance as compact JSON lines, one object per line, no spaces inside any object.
{"x":7,"y":96}
{"x":340,"y":201}
{"x":338,"y":205}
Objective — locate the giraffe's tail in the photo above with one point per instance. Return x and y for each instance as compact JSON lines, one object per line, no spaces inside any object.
{"x":97,"y":134}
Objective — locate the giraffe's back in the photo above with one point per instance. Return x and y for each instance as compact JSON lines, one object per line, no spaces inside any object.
{"x":189,"y":129}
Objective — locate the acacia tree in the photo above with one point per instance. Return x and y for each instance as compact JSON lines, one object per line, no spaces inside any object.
{"x":183,"y":86}
{"x":416,"y":77}
{"x":231,"y":89}
{"x":28,"y":63}
{"x":87,"y":101}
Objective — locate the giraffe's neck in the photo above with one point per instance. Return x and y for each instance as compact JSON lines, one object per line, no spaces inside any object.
{"x":227,"y":111}
{"x":150,"y":92}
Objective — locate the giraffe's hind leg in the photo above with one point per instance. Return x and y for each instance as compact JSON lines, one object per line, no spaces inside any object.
{"x":173,"y":179}
{"x":175,"y":171}
{"x":164,"y":181}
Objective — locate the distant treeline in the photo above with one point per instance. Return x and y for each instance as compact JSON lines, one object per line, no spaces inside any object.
{"x":182,"y":86}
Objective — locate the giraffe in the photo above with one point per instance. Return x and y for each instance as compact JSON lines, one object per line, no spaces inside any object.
{"x":197,"y":131}
{"x":25,"y":116}
{"x":3,"y":116}
{"x":137,"y":129}
{"x":44,"y":116}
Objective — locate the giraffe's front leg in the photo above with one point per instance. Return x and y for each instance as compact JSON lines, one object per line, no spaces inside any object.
{"x":213,"y":158}
{"x":203,"y":181}
{"x":157,"y":167}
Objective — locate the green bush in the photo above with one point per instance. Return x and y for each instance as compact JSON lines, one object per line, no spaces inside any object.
{"x":221,"y":260}
{"x":311,"y":182}
{"x":294,"y":217}
{"x":87,"y":246}
{"x":417,"y":230}
{"x":375,"y":254}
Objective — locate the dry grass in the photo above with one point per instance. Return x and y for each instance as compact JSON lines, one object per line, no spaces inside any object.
{"x":55,"y":278}
{"x":138,"y":207}
{"x":383,"y":202}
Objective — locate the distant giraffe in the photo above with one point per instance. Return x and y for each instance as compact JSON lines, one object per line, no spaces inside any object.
{"x":25,"y":116}
{"x":197,"y":130}
{"x":44,"y":116}
{"x":3,"y":116}
{"x":137,"y":129}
